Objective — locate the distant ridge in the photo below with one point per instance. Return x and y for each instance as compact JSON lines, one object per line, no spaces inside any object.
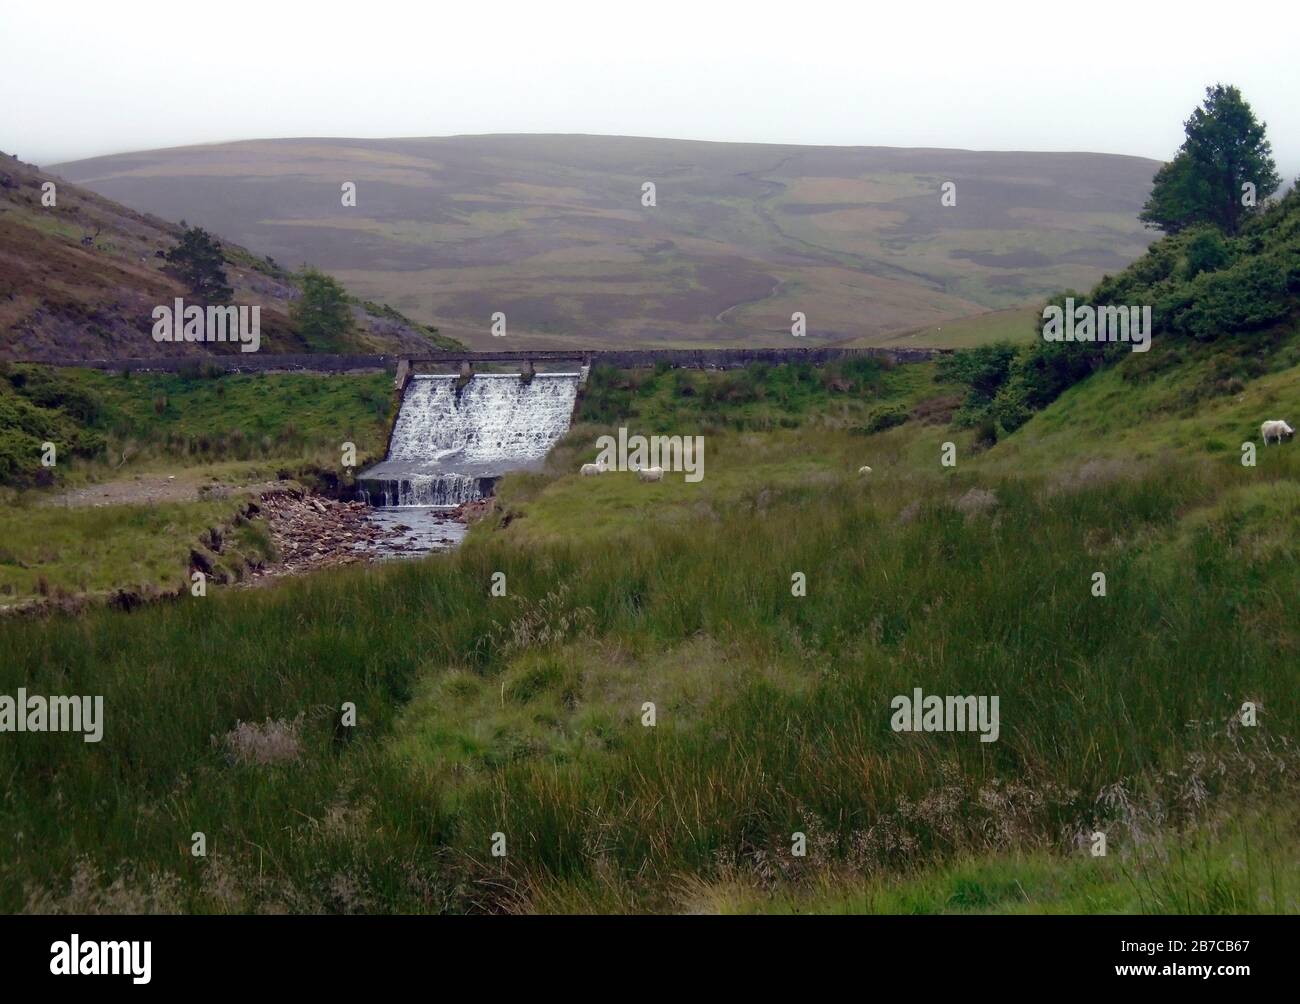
{"x":550,"y":230}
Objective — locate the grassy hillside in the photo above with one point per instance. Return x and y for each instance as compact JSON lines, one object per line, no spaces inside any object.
{"x":1239,"y":295}
{"x":50,"y":552}
{"x":80,"y":278}
{"x":1013,"y":324}
{"x":147,"y":462}
{"x":1097,"y":557}
{"x":551,"y":230}
{"x":101,"y":422}
{"x":522,"y":714}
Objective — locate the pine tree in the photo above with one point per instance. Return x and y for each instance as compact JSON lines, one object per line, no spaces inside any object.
{"x":1226,"y":150}
{"x":199,"y":263}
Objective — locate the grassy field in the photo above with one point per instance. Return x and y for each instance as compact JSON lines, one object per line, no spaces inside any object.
{"x":112,"y":425}
{"x":1236,"y":865}
{"x":1014,"y":324}
{"x":523,"y":715}
{"x":170,"y":453}
{"x":1199,"y":400}
{"x":55,"y":552}
{"x":242,"y":416}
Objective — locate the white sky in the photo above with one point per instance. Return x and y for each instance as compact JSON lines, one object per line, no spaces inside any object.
{"x":83,"y":78}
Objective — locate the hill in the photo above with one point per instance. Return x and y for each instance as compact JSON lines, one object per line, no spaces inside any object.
{"x":523,"y":714}
{"x":551,"y":230}
{"x":79,"y":280}
{"x":682,"y":699}
{"x":1013,"y":324}
{"x":1236,"y":297}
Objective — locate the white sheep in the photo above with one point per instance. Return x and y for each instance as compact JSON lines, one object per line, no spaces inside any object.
{"x":651,"y":474}
{"x":864,"y":470}
{"x":589,"y":469}
{"x":1275,"y":429}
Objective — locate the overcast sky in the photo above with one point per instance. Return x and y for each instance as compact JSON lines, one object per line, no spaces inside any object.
{"x":86,"y":78}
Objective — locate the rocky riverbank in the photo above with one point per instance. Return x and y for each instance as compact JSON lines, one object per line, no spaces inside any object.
{"x":294,"y":532}
{"x":310,"y":532}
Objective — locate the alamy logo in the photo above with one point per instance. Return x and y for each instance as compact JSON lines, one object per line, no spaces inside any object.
{"x":920,"y":713}
{"x":53,"y":714}
{"x":75,"y":957}
{"x":1086,"y":323}
{"x":667,"y":453}
{"x":180,"y":323}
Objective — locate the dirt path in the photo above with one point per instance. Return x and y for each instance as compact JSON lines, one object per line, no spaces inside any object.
{"x":146,"y":489}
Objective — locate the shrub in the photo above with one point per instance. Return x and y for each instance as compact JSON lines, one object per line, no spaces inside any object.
{"x":886,"y":419}
{"x":984,"y":370}
{"x":199,"y":262}
{"x":1207,"y":251}
{"x":1249,"y":295}
{"x":273,"y":742}
{"x":322,"y":314}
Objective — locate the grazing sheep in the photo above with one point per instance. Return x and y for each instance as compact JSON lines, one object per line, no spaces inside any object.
{"x":1276,"y":429}
{"x":651,"y":474}
{"x":864,"y":470}
{"x":589,"y":469}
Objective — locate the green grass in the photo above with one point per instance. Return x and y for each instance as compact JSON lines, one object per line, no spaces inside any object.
{"x":49,"y":551}
{"x":247,"y":415}
{"x":1204,"y":400}
{"x":200,"y":428}
{"x":757,"y":398}
{"x":522,"y":714}
{"x":1015,"y":324}
{"x":154,"y":420}
{"x":1240,"y":864}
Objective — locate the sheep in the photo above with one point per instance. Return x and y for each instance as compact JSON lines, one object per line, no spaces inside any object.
{"x":589,"y":469}
{"x":651,"y":474}
{"x":864,"y":470}
{"x":1275,"y":429}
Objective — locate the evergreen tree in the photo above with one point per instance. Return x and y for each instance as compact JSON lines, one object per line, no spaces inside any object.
{"x":198,"y":261}
{"x":1225,"y":150}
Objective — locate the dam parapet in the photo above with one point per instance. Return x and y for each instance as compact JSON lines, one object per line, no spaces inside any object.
{"x":573,"y":360}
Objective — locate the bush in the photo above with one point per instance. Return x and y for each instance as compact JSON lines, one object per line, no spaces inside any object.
{"x":887,"y":419}
{"x":1199,"y":284}
{"x":38,"y":407}
{"x":984,"y":370}
{"x":1207,"y":251}
{"x":323,"y":314}
{"x":1252,"y":294}
{"x":47,"y":388}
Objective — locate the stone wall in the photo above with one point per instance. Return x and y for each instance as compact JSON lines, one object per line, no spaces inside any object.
{"x":620,"y":358}
{"x":733,"y":358}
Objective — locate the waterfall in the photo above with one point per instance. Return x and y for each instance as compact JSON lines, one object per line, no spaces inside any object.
{"x":449,"y":445}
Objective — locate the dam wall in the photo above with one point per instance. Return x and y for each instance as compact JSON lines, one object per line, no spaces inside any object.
{"x":621,"y":358}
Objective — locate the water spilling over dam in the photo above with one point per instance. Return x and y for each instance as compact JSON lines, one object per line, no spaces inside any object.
{"x":451,"y":443}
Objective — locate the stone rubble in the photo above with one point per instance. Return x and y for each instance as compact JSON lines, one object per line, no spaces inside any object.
{"x":311,"y":532}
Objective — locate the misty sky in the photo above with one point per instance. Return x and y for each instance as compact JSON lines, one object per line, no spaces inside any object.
{"x":90,"y":78}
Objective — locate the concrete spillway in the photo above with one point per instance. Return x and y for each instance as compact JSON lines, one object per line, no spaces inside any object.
{"x":449,"y":445}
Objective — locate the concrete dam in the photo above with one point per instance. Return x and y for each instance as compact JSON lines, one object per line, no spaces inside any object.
{"x":454,"y":436}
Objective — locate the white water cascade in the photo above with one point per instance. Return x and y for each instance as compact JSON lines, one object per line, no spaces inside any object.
{"x":449,"y":445}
